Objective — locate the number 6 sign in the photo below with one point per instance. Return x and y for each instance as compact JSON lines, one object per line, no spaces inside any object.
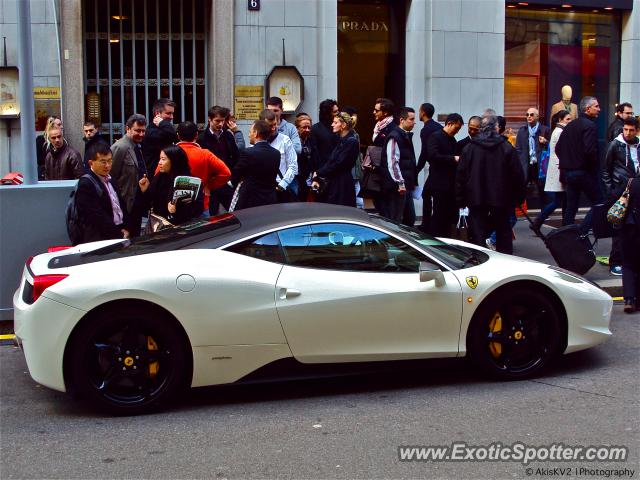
{"x":254,"y":4}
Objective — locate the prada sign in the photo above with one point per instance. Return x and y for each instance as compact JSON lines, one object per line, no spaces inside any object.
{"x":363,"y":26}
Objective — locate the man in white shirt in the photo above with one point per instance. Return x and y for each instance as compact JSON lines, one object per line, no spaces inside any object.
{"x":288,"y":159}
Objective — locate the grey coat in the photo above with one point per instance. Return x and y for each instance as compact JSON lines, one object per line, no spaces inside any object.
{"x":125,"y":170}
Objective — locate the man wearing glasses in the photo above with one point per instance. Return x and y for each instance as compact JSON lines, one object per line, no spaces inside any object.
{"x":531,"y":140}
{"x":577,"y":150}
{"x":98,"y":203}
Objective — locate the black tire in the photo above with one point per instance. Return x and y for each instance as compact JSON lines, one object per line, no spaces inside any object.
{"x":128,"y":361}
{"x":515,"y":333}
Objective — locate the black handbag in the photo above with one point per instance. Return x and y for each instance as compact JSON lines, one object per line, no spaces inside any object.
{"x":371,"y":183}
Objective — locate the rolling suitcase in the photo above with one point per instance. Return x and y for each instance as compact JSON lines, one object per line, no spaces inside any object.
{"x":570,"y":249}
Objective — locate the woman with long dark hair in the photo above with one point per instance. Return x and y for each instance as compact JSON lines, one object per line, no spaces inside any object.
{"x":158,"y":194}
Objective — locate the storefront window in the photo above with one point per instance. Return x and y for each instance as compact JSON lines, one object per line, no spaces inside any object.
{"x":547,"y":49}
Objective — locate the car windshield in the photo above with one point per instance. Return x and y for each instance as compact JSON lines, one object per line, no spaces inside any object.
{"x":171,"y":238}
{"x":454,"y":256}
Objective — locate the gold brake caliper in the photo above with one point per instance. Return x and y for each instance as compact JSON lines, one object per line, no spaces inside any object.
{"x":153,"y":366}
{"x":495,"y":326}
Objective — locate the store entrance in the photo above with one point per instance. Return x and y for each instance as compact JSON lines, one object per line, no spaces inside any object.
{"x":371,"y":56}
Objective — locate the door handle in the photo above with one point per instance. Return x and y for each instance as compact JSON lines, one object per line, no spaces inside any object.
{"x":287,"y":293}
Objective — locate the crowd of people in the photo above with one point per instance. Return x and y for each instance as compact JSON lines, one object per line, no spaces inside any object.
{"x":487,"y":172}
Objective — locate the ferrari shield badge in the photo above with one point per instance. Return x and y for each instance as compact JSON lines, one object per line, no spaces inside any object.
{"x":472,"y":282}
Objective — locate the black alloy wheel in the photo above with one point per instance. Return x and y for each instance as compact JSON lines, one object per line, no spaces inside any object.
{"x":128,"y":362}
{"x":515,"y":334}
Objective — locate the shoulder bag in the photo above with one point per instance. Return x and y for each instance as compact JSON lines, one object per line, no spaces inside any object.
{"x":618,"y":210}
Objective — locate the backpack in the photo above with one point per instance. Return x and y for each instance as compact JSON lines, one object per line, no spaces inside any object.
{"x":75,"y":229}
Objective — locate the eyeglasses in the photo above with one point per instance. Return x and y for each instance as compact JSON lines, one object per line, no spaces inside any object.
{"x":530,"y":114}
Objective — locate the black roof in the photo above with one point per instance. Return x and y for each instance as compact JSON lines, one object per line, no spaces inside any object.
{"x":216,"y":231}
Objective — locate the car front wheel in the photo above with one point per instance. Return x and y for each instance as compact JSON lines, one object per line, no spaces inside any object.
{"x":515,"y":334}
{"x":128,"y":361}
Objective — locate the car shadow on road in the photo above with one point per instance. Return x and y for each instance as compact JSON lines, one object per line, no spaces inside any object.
{"x":391,"y":377}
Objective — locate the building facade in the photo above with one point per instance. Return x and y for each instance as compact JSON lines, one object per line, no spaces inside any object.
{"x":106,"y":59}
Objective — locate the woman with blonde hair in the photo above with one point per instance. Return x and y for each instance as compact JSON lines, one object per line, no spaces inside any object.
{"x":43,"y":144}
{"x":334,"y":177}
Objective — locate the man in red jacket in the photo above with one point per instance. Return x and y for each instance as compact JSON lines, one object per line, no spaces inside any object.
{"x":213,"y":172}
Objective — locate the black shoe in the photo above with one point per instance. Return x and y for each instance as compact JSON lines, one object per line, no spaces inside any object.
{"x":535,"y":226}
{"x":629,"y":305}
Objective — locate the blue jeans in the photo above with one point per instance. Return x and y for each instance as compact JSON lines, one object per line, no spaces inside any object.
{"x":557,"y":199}
{"x":576,"y":182}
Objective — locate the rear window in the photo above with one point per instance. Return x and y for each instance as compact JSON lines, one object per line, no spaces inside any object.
{"x":173,"y":238}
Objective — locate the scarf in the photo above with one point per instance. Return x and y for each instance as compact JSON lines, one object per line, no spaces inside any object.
{"x":381,"y":125}
{"x":631,"y":154}
{"x":532,"y":142}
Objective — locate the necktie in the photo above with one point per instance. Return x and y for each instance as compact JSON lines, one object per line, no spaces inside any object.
{"x":142,"y":168}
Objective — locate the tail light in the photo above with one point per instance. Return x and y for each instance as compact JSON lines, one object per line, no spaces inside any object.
{"x":58,"y":248}
{"x":42,"y":282}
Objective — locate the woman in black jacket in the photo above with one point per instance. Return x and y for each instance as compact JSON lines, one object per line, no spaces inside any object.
{"x":158,"y":194}
{"x":631,"y":250}
{"x":335,"y":174}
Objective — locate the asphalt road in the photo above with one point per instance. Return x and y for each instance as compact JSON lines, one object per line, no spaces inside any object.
{"x":348,"y":427}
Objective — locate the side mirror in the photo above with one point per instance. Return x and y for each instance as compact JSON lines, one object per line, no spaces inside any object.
{"x":427,"y":273}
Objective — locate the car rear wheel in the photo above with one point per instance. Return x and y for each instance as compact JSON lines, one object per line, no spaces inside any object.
{"x":515,"y":333}
{"x":128,"y":361}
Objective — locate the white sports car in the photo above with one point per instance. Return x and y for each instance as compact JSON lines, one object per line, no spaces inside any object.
{"x":128,"y":324}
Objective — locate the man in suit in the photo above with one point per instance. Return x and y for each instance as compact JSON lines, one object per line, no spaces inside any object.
{"x":100,"y":212}
{"x":441,"y":148}
{"x":129,"y":167}
{"x":426,"y":113}
{"x":257,"y":168}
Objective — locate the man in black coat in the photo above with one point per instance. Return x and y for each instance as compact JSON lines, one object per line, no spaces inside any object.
{"x":577,"y":151}
{"x":441,"y":149}
{"x":490,"y":181}
{"x":90,"y":136}
{"x":623,"y":111}
{"x":322,"y":139}
{"x":426,"y":113}
{"x":160,"y":133}
{"x":100,"y":212}
{"x":399,"y":175}
{"x":257,"y":168}
{"x":531,"y":140}
{"x":473,"y":127}
{"x":620,"y":164}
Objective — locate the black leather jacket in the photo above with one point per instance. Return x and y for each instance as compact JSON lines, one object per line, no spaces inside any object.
{"x":618,"y":168}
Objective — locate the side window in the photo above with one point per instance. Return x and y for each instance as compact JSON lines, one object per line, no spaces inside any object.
{"x":266,"y":248}
{"x":344,"y":246}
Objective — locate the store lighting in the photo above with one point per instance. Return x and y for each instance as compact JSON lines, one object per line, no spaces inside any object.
{"x":511,"y":6}
{"x":114,"y":40}
{"x":608,"y":8}
{"x":119,"y":17}
{"x":524,"y":4}
{"x":566,"y":5}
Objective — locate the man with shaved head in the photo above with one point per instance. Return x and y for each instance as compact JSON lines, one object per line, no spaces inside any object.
{"x":532,"y":139}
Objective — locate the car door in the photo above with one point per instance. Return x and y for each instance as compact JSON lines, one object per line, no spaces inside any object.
{"x":349,"y":292}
